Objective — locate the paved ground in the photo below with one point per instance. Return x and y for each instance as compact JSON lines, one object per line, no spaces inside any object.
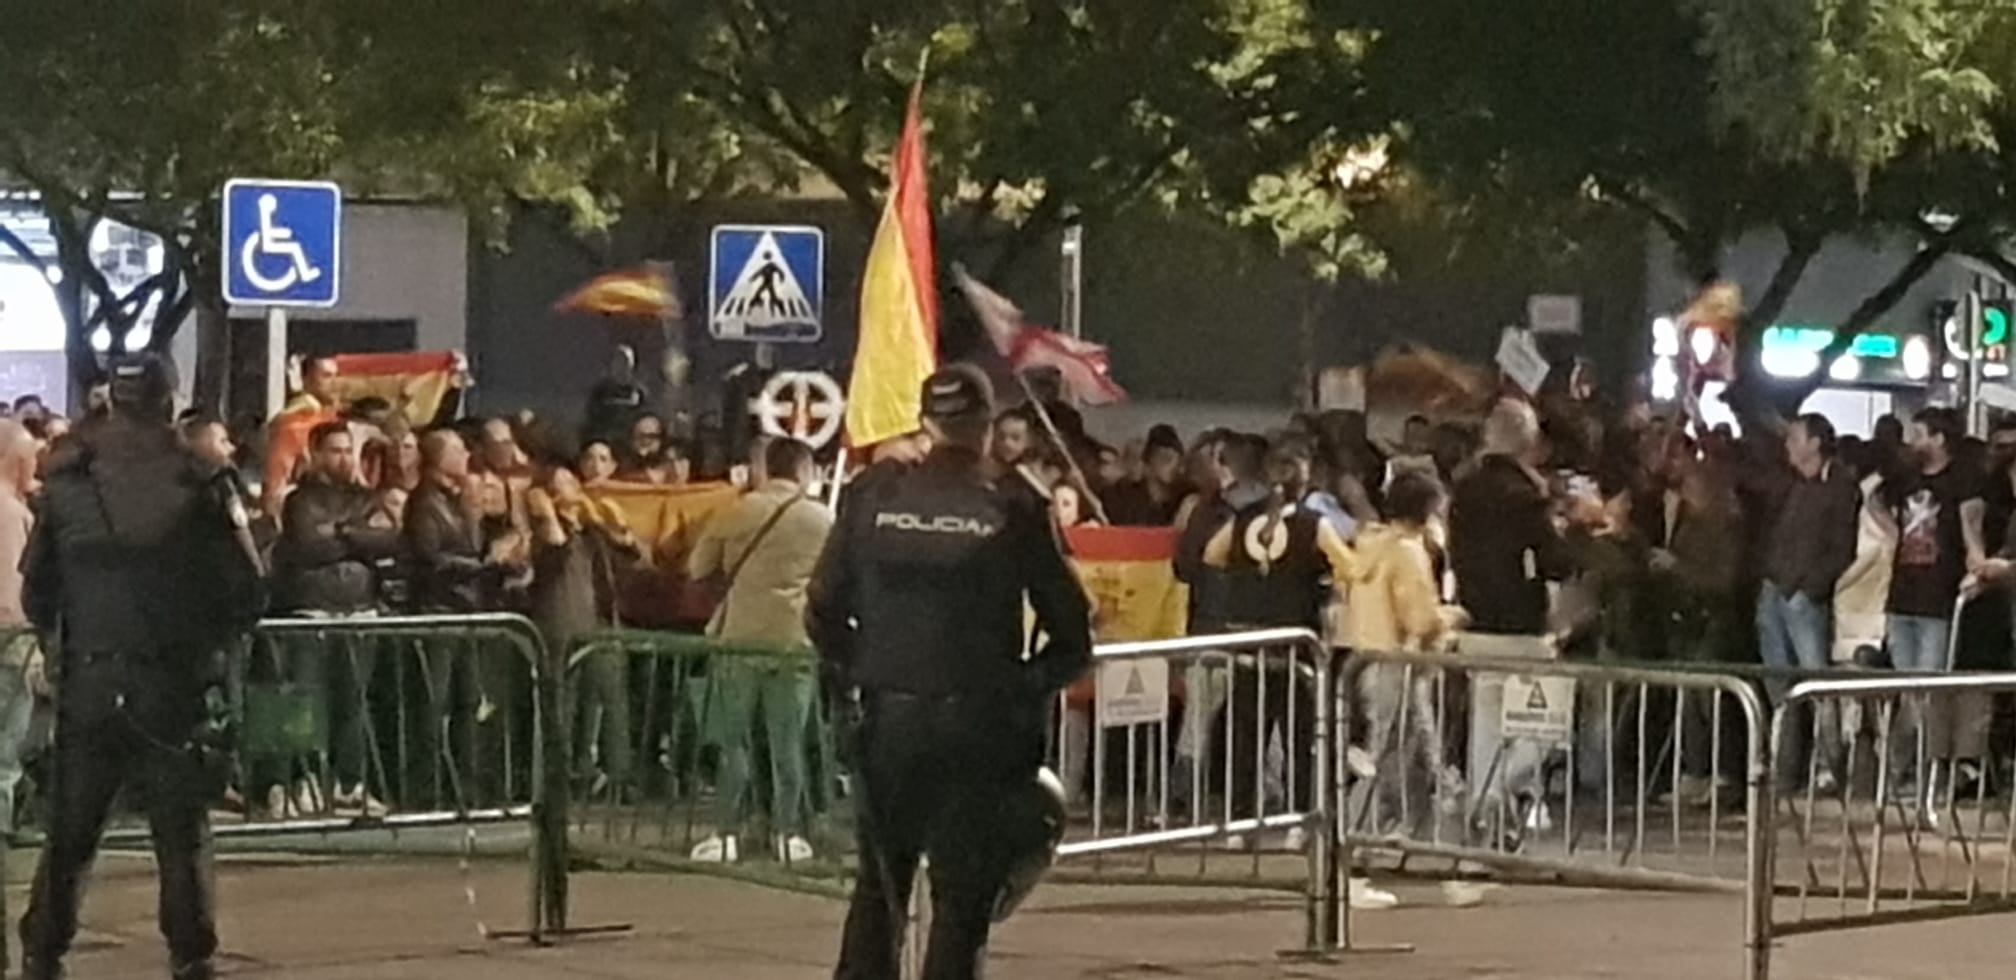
{"x":410,"y":920}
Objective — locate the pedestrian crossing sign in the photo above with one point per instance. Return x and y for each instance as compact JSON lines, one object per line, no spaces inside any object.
{"x":767,"y":283}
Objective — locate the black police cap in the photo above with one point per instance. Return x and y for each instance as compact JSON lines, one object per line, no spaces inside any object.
{"x":958,"y":391}
{"x":144,"y":380}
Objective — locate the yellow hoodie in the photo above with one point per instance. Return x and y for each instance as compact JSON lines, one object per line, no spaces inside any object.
{"x":1391,"y":601}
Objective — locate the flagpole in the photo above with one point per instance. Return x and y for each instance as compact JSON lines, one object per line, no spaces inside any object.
{"x":839,"y":480}
{"x":1083,"y":485}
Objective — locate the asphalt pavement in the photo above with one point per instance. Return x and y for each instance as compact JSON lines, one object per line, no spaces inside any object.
{"x":414,"y":919}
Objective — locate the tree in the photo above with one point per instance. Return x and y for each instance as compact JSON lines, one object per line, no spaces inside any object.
{"x":1043,"y":112}
{"x":1708,"y":119}
{"x":146,"y":109}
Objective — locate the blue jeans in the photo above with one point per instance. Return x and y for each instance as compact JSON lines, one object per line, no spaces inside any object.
{"x":1792,"y":631}
{"x":1918,"y":643}
{"x":17,"y":707}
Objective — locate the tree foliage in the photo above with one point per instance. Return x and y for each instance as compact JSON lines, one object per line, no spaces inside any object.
{"x":143,"y":110}
{"x":1711,"y":119}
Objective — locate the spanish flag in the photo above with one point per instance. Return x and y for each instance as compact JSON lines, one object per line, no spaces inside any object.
{"x":415,"y":383}
{"x":1130,"y":575}
{"x":645,"y":291}
{"x":898,"y":346}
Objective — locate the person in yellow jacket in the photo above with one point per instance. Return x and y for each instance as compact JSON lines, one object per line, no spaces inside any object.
{"x":1394,"y":603}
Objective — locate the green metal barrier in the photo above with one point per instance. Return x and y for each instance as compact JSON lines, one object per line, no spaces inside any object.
{"x":661,"y":722}
{"x":382,"y":731}
{"x":486,"y":745}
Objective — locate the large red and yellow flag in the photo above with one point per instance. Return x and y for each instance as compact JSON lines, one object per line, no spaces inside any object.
{"x":898,"y":346}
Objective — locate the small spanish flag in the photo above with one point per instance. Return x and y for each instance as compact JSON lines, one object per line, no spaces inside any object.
{"x":898,"y":346}
{"x":415,"y":383}
{"x":645,"y":291}
{"x":1130,"y":575}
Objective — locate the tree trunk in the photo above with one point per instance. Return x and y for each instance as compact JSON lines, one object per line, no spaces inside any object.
{"x":213,"y":357}
{"x":1314,"y":303}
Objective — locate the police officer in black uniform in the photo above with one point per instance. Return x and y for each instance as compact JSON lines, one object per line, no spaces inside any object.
{"x":917,"y":610}
{"x":139,"y":573}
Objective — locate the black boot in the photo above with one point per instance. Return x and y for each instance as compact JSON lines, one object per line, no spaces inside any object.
{"x":34,"y":968}
{"x":194,"y":971}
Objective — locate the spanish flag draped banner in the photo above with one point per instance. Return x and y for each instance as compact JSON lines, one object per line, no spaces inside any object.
{"x":667,"y":521}
{"x":898,"y":346}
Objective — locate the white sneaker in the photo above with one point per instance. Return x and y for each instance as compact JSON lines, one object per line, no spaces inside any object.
{"x":1235,"y":842}
{"x":357,"y":801}
{"x":1360,"y":762}
{"x":718,"y":850}
{"x":1540,"y":819}
{"x":308,"y":798}
{"x":278,"y":806}
{"x":1367,"y":898}
{"x":1466,"y":894}
{"x":793,"y":849}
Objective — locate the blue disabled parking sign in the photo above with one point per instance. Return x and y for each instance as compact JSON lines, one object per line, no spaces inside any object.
{"x":283,"y":243}
{"x":767,"y":284}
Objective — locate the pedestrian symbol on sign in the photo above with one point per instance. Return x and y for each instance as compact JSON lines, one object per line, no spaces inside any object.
{"x":766,"y":283}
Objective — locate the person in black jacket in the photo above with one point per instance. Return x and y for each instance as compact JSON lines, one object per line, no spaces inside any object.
{"x":916,"y":604}
{"x":1504,"y":548}
{"x":332,"y":539}
{"x":143,"y":565}
{"x":1503,"y":544}
{"x":452,"y":573}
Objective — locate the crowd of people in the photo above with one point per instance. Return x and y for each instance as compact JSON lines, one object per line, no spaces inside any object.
{"x":1523,"y":530}
{"x":1508,"y":530}
{"x":361,"y":513}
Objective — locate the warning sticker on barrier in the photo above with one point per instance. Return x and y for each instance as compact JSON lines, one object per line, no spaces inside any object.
{"x":1133,"y":692}
{"x":1540,"y":708}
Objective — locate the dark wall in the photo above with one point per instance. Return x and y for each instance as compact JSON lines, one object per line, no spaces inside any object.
{"x":1191,"y":310}
{"x":526,"y":355}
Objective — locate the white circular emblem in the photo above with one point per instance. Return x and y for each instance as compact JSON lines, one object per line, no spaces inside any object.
{"x":1264,"y":547}
{"x":803,"y":405}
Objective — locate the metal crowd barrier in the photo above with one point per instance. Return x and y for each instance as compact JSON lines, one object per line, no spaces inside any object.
{"x":656,"y":797}
{"x":437,"y":722}
{"x":1582,"y":773}
{"x":1869,"y":816}
{"x":657,"y":722}
{"x":1198,"y":755}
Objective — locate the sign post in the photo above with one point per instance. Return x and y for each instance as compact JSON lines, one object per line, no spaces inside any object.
{"x":283,"y":249}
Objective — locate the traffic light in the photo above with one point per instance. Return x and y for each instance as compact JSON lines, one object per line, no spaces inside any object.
{"x":1996,"y":321}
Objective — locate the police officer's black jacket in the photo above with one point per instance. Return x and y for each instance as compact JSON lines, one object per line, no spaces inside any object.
{"x":140,"y":549}
{"x":921,"y":587}
{"x":327,"y":549}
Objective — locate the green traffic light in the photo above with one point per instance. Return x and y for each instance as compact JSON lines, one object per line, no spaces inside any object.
{"x":1995,"y":325}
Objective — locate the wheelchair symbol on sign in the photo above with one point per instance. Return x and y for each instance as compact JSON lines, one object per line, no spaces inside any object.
{"x":274,"y":241}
